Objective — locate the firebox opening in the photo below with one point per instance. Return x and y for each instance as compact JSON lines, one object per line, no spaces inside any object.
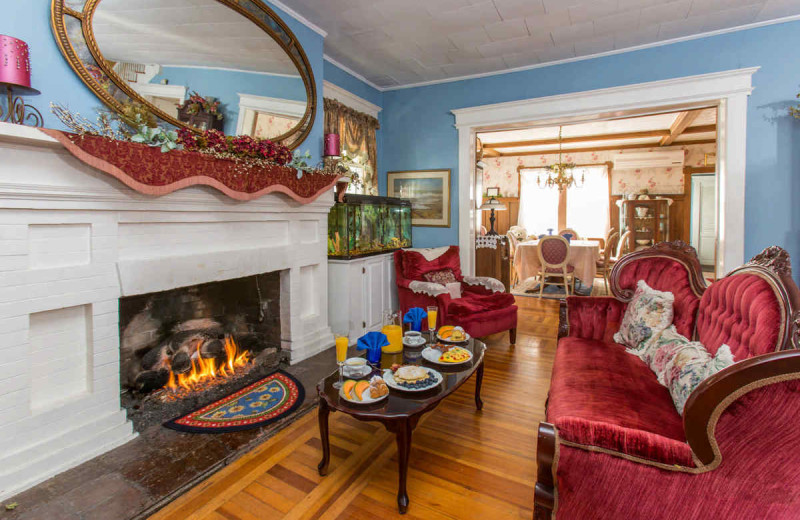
{"x":194,"y":344}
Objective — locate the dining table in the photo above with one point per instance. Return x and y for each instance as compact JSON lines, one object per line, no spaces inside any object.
{"x":583,"y":256}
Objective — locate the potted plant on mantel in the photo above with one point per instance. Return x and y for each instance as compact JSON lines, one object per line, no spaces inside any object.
{"x":201,"y":112}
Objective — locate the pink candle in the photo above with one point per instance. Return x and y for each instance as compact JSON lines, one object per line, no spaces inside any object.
{"x":332,"y":145}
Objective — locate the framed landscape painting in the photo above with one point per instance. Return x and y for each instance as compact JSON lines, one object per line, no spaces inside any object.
{"x":429,"y":193}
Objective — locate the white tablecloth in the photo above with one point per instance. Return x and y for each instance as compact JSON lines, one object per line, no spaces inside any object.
{"x":583,"y":256}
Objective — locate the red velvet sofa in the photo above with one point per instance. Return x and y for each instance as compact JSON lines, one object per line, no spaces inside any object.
{"x":484,"y":306}
{"x":614,"y":445}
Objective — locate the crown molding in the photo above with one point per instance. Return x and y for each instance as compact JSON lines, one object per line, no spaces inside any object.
{"x":299,"y":17}
{"x":331,"y":91}
{"x":352,"y":72}
{"x":597,"y":55}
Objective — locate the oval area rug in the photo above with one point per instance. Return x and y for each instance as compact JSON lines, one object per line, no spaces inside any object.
{"x":256,"y":405}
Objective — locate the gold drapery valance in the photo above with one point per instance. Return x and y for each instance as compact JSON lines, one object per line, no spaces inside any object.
{"x":357,"y":136}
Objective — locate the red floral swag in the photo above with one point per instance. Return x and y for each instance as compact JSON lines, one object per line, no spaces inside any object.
{"x":147,"y":170}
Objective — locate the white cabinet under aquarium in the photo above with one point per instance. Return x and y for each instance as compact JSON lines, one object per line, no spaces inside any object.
{"x":363,"y":233}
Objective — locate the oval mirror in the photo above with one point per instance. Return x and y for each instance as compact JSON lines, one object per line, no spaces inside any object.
{"x":231,"y":65}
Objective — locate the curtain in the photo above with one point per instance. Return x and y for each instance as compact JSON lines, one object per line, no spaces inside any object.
{"x":538,"y":207}
{"x":357,"y":136}
{"x":587,"y":206}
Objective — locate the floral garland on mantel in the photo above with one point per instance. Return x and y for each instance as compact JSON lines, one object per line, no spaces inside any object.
{"x":157,"y":161}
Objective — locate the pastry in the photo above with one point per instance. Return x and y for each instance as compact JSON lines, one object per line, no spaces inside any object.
{"x":377,"y":387}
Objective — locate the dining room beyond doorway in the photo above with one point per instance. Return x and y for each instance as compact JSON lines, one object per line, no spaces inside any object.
{"x":607,"y":187}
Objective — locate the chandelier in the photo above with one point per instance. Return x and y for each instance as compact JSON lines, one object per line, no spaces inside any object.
{"x":560,"y":174}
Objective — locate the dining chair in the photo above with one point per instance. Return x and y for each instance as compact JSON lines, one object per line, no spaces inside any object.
{"x":611,"y":231}
{"x":575,"y":235}
{"x":624,"y":246}
{"x":605,"y":263}
{"x":553,"y":252}
{"x":512,"y":253}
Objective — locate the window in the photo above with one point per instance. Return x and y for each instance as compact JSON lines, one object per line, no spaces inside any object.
{"x":538,"y":208}
{"x":587,"y":206}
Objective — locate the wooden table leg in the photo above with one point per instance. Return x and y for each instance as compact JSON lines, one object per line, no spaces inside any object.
{"x":403,"y":452}
{"x":478,"y":383}
{"x":324,"y":411}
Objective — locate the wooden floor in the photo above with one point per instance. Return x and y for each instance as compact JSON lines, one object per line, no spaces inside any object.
{"x":464,"y":464}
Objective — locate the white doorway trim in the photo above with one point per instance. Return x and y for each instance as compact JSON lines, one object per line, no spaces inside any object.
{"x":249,"y":104}
{"x":728,"y":90}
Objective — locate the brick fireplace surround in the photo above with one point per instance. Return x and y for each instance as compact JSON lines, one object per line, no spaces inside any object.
{"x":73,"y":241}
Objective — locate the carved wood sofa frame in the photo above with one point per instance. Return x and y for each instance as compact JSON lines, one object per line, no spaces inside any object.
{"x":710,"y":399}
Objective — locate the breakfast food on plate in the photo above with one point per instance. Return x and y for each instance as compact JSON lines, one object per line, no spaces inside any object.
{"x":377,"y":387}
{"x":444,"y":332}
{"x":411,"y":376}
{"x":451,"y":333}
{"x":359,"y":389}
{"x":455,"y":355}
{"x":347,"y":388}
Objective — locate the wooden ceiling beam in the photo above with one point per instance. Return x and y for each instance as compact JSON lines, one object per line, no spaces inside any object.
{"x":681,"y":123}
{"x":602,"y":148}
{"x":603,"y":137}
{"x":491,"y":152}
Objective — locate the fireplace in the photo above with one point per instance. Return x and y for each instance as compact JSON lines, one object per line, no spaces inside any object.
{"x":183,"y":347}
{"x":79,"y":247}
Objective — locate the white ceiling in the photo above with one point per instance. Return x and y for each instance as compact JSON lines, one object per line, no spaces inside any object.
{"x":186,"y":32}
{"x":400,"y":42}
{"x":585,"y":131}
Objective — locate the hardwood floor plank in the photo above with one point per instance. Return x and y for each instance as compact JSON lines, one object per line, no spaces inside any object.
{"x":465,"y":464}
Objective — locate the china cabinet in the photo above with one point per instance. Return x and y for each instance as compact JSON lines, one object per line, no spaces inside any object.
{"x":647,"y":219}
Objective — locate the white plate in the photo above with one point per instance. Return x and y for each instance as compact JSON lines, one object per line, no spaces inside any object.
{"x":388,"y":376}
{"x":410,"y":341}
{"x":367,"y":397}
{"x":466,"y":338}
{"x":433,"y":355}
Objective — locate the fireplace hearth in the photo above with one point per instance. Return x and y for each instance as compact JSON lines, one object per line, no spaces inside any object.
{"x":182,"y":348}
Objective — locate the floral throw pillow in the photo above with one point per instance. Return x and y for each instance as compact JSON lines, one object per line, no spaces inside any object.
{"x":444,"y":277}
{"x":681,"y":365}
{"x":648,"y":313}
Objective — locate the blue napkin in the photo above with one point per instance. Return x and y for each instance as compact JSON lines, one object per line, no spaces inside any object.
{"x":372,"y":342}
{"x":568,"y":236}
{"x":414,"y":316}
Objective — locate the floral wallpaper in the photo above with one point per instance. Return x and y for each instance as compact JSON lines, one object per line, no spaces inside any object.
{"x":270,"y":125}
{"x":502,"y":171}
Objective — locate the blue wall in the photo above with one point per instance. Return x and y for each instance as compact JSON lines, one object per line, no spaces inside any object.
{"x":225,"y":85}
{"x":418,"y":123}
{"x":29,"y":20}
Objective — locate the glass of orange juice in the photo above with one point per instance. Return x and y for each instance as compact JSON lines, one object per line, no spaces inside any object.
{"x":433,"y":312}
{"x":342,"y":342}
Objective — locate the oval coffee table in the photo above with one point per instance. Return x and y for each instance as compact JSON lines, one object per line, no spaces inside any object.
{"x":401,"y":411}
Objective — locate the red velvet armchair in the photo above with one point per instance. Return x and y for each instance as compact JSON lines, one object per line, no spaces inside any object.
{"x":614,"y":445}
{"x":483,"y":307}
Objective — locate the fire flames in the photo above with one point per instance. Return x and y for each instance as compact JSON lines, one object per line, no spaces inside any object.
{"x":204,"y":370}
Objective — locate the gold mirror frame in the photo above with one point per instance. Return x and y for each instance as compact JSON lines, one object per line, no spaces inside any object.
{"x":59,"y":10}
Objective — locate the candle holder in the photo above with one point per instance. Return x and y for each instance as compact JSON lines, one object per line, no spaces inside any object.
{"x":15,"y":79}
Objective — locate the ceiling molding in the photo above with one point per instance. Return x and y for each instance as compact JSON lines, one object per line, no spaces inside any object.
{"x":299,"y":17}
{"x":331,"y":91}
{"x":597,"y":55}
{"x":228,"y":69}
{"x":352,"y":72}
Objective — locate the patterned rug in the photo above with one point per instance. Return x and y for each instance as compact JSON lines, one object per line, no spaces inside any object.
{"x":264,"y":402}
{"x":557,"y":291}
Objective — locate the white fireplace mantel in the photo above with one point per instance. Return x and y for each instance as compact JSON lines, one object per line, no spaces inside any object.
{"x":72,"y":241}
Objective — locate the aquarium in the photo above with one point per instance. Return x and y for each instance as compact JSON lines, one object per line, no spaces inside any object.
{"x":365,"y":225}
